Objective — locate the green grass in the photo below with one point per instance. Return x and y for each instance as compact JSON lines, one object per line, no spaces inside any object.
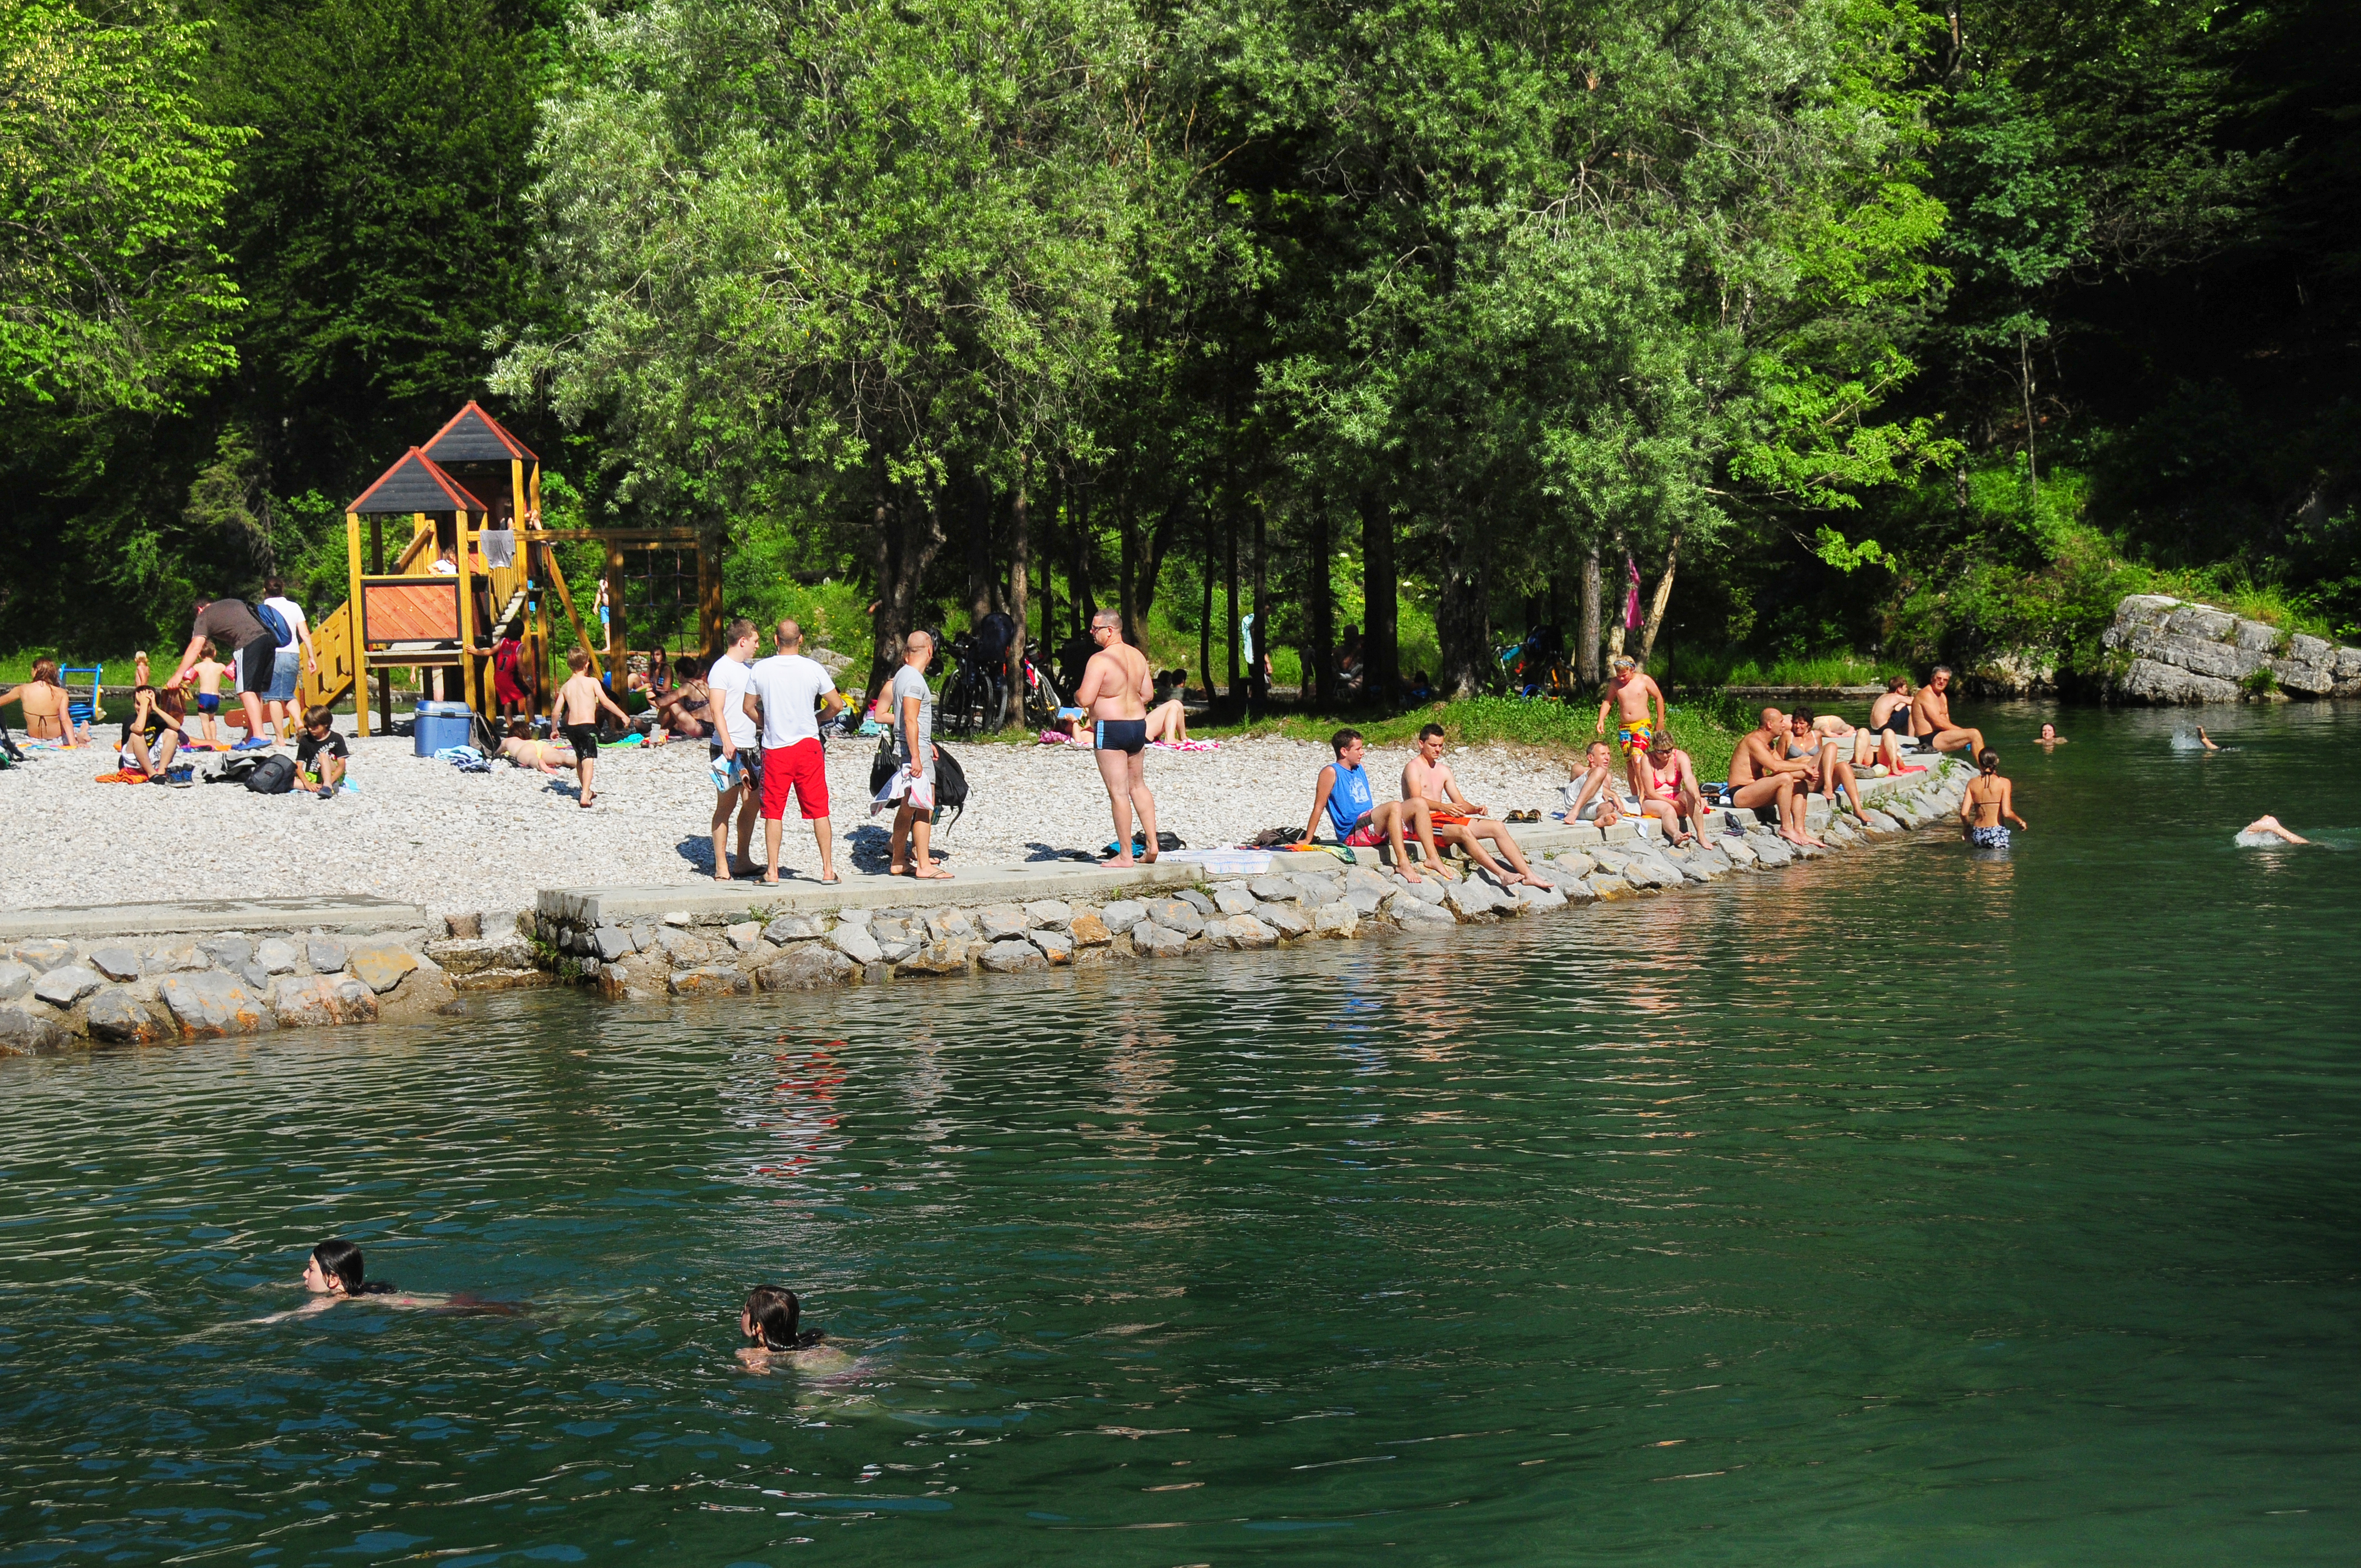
{"x":1832,"y":668}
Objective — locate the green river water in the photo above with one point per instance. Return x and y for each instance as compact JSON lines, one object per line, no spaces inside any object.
{"x":1913,"y":1206}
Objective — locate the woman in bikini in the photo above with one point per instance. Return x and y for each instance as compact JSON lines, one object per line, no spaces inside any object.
{"x":543,"y":756}
{"x":687,"y":710}
{"x":1989,"y":798}
{"x":43,"y":701}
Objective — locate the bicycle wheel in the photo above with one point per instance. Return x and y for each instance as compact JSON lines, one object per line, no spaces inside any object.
{"x":960,"y":711}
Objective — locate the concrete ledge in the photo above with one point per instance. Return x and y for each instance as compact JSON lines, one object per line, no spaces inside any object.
{"x":352,"y":913}
{"x":724,"y":903}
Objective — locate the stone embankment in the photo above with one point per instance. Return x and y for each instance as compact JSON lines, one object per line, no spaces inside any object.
{"x":2185,"y":653}
{"x":368,"y":962}
{"x":720,"y":951}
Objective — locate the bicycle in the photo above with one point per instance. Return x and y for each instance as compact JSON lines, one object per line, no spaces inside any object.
{"x":975,"y":699}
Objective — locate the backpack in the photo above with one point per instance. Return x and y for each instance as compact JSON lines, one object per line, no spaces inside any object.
{"x":274,"y":623}
{"x":273,"y":774}
{"x":950,"y":788}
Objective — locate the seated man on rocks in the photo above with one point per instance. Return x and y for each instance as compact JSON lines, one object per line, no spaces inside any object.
{"x":1930,"y":717}
{"x":1599,"y":802}
{"x":1362,"y":821}
{"x":1428,"y":779}
{"x":1760,"y":775}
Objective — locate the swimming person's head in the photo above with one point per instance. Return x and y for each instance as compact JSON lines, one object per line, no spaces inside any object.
{"x":773,"y":1315}
{"x":1988,"y":761}
{"x":334,"y":1270}
{"x":2049,"y":733}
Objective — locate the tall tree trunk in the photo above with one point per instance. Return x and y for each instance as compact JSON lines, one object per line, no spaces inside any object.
{"x":1205,"y":624}
{"x":1586,"y":665}
{"x":974,"y":493}
{"x":1230,"y":546}
{"x":1143,"y":598}
{"x":1380,"y":652}
{"x":1320,"y":660}
{"x":2025,"y":369}
{"x":1020,"y":582}
{"x":1623,"y":587}
{"x":1128,"y":568}
{"x":1462,"y":622}
{"x":1257,"y":681}
{"x":1053,"y":522}
{"x":905,"y":539}
{"x":1661,"y":597}
{"x":1077,"y":558}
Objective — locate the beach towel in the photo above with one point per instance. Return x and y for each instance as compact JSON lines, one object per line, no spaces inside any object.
{"x":1225,"y":862}
{"x":123,"y":775}
{"x":467,"y":759}
{"x":1186,"y":745}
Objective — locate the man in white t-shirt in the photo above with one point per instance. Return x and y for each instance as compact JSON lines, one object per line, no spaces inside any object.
{"x":287,"y":661}
{"x":735,"y":760}
{"x":792,"y":696}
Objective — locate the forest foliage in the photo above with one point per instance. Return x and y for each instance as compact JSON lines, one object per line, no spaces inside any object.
{"x":1870,"y":329}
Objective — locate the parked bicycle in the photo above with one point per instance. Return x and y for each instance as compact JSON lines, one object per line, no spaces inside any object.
{"x":975,"y":699}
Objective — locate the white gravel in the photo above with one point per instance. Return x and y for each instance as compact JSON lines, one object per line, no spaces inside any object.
{"x":422,"y":831}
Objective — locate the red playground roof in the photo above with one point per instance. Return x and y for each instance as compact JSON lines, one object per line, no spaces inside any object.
{"x":475,"y":436}
{"x":415,"y":484}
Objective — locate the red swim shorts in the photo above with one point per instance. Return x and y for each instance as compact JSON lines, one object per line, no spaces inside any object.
{"x":804,"y":766}
{"x":1366,"y":834}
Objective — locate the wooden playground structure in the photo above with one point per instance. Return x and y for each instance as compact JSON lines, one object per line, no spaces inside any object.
{"x":474,"y":572}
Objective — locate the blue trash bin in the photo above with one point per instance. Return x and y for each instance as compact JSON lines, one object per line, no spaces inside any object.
{"x":434,"y":725}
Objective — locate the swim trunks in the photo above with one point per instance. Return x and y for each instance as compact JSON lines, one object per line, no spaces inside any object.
{"x":584,"y":739}
{"x":1364,"y":836}
{"x":1988,"y":838}
{"x":1125,"y":735}
{"x":208,"y":702}
{"x":801,"y":766}
{"x":1635,"y":738}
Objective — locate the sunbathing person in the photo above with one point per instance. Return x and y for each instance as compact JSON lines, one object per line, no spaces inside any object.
{"x":43,"y":701}
{"x":1870,"y":748}
{"x":1829,"y":771}
{"x":1987,"y":801}
{"x":686,"y":710}
{"x":543,"y":756}
{"x":1596,"y":801}
{"x":2264,"y":829}
{"x":1362,"y":821}
{"x":155,"y":720}
{"x":1630,"y":691}
{"x":1676,"y":780}
{"x":1760,"y":777}
{"x":1168,"y":720}
{"x":1890,"y":713}
{"x":1426,"y":777}
{"x":1930,"y":717}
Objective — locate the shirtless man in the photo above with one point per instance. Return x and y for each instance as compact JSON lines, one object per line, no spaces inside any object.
{"x":1760,"y":777}
{"x":1114,"y":689}
{"x":1628,"y":692}
{"x":1596,"y":801}
{"x":1362,"y":821}
{"x":1427,"y":777}
{"x":1987,"y":801}
{"x":1677,"y":780}
{"x":1930,"y":717}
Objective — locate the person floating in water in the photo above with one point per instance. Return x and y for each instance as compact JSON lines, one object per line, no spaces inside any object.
{"x":334,"y":1272}
{"x":2050,"y":737}
{"x":773,"y":1319}
{"x":2206,"y":740}
{"x":1989,"y":798}
{"x":2267,"y":830}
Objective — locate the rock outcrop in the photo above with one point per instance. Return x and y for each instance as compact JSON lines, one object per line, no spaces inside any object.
{"x":2185,"y":653}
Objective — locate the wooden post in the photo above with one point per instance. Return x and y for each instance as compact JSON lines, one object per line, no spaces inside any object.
{"x":467,"y":613}
{"x":709,"y":605}
{"x":1020,"y":579}
{"x":352,"y":608}
{"x":360,"y":673}
{"x":540,"y":626}
{"x":618,"y":643}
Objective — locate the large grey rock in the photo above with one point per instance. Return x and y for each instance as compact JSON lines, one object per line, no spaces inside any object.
{"x":16,"y":979}
{"x":710,"y":980}
{"x":114,"y":962}
{"x":610,"y":943}
{"x":1287,"y":920}
{"x":277,"y":955}
{"x":1002,"y":921}
{"x":229,"y":950}
{"x":1048,"y":913}
{"x":902,"y":947}
{"x":325,"y":954}
{"x":209,"y":1005}
{"x":1123,"y":914}
{"x":1007,"y":957}
{"x":1414,"y":913}
{"x":309,"y":1002}
{"x":1549,"y":897}
{"x":889,"y":929}
{"x":1877,"y":821}
{"x":1741,"y":849}
{"x":24,"y":1033}
{"x":183,"y":958}
{"x":1239,"y":931}
{"x":1359,"y":877}
{"x":2149,"y":681}
{"x":1159,"y":941}
{"x":2201,"y":621}
{"x":1426,"y":888}
{"x":2259,"y":636}
{"x":1089,"y":929}
{"x":1342,"y":918}
{"x":2314,"y":675}
{"x":1055,"y":945}
{"x":1177,"y":914}
{"x":947,"y":957}
{"x":119,"y":1018}
{"x":44,"y":955}
{"x":1363,"y":901}
{"x":64,"y":986}
{"x":682,"y":948}
{"x":947,"y":924}
{"x":856,"y":944}
{"x":1198,"y":900}
{"x":1232,"y":898}
{"x":791,"y":928}
{"x":1771,"y":849}
{"x":805,"y":967}
{"x":743,"y":938}
{"x":1273,"y":889}
{"x":381,"y":969}
{"x":2348,"y":664}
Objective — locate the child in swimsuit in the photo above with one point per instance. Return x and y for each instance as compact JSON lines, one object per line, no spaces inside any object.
{"x":208,"y":671}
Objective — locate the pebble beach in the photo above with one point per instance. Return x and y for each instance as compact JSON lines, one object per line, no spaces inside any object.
{"x":422,"y":831}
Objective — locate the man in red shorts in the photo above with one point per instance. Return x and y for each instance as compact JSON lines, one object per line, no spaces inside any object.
{"x":791,"y":697}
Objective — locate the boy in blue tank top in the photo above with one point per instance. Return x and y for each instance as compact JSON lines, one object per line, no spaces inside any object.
{"x":1362,"y":821}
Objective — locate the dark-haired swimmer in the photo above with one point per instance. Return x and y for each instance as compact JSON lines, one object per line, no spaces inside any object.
{"x":773,"y":1319}
{"x":334,"y":1272}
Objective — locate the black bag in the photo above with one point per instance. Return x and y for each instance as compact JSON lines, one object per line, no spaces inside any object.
{"x":950,"y":788}
{"x":882,"y":768}
{"x":272,"y":776}
{"x":235,"y":770}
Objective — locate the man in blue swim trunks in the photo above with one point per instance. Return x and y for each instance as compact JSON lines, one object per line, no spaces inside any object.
{"x":1114,"y":689}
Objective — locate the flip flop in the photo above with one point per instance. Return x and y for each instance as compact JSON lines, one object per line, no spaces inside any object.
{"x":830,"y":880}
{"x":937,"y":874}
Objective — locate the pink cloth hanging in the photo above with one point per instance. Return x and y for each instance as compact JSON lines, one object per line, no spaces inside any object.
{"x":1632,"y":599}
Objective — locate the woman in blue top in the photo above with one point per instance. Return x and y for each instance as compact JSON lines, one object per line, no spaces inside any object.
{"x":1362,"y":821}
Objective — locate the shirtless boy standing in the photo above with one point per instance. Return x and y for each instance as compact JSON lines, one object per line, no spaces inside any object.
{"x":1628,"y":692}
{"x":1114,"y":689}
{"x":1758,"y":773}
{"x":1427,"y":777}
{"x":576,"y":713}
{"x":209,"y":672}
{"x":1930,"y":717}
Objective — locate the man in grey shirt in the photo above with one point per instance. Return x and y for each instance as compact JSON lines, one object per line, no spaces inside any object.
{"x":913,"y":706}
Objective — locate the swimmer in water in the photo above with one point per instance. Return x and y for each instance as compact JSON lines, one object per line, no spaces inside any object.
{"x":773,"y":1319}
{"x":334,"y":1273}
{"x":2206,"y":740}
{"x":2050,"y":737}
{"x":2265,"y":828}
